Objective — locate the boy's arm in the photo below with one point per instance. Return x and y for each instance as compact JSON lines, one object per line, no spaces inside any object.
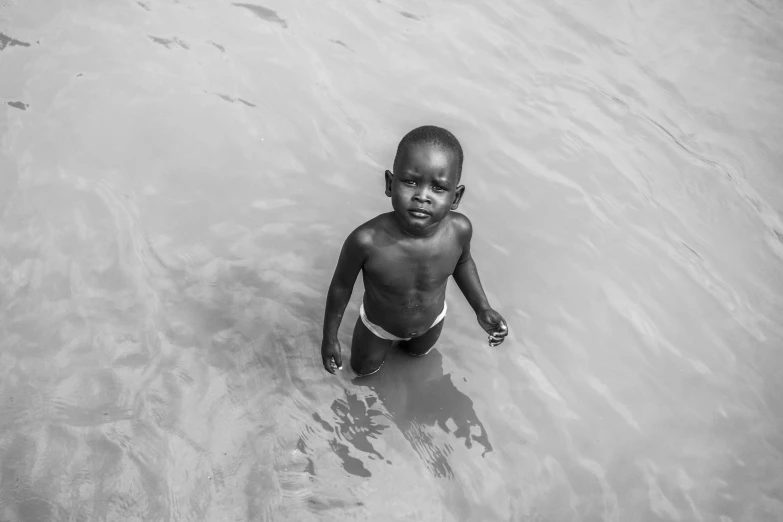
{"x":466,"y":273}
{"x":349,"y":264}
{"x":467,"y":278}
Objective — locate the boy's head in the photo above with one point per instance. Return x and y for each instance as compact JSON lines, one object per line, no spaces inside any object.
{"x":425,"y":184}
{"x":435,"y":136}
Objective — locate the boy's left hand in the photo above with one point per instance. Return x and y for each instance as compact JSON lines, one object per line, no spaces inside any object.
{"x":494,"y":324}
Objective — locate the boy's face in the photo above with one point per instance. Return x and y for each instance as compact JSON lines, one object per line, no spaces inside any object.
{"x":424,"y":186}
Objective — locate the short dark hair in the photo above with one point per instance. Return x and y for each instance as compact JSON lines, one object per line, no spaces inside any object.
{"x":435,"y":136}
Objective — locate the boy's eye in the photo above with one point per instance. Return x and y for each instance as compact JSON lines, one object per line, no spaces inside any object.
{"x":438,"y":188}
{"x":409,"y":182}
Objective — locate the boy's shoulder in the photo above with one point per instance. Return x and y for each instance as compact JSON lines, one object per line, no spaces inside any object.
{"x":462,"y":225}
{"x":364,"y":234}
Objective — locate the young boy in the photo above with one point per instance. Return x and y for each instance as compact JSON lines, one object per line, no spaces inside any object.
{"x":406,"y":257}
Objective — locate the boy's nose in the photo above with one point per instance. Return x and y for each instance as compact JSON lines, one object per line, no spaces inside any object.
{"x":421,"y":196}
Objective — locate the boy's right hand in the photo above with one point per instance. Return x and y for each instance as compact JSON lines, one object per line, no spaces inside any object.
{"x":330,"y":354}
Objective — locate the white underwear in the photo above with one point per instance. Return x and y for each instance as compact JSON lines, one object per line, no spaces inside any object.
{"x":383,"y":334}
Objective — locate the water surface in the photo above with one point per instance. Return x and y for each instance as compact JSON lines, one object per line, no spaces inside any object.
{"x":176,"y":179}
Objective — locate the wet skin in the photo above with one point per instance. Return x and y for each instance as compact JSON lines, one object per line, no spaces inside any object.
{"x":406,"y":257}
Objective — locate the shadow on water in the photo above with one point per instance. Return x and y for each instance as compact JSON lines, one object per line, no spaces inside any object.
{"x":419,"y":399}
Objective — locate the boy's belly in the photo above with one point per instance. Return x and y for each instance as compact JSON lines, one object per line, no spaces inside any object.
{"x":407,"y":315}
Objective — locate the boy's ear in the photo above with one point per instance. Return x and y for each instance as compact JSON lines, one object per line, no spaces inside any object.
{"x":389,"y":179}
{"x":458,"y":197}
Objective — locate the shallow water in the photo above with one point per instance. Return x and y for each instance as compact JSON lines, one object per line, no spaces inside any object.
{"x":175,"y":183}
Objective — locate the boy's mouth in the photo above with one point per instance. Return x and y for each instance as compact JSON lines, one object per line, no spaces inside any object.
{"x":418,"y":212}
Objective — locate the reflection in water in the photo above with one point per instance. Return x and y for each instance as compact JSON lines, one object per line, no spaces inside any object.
{"x":264,"y":13}
{"x":418,"y":397}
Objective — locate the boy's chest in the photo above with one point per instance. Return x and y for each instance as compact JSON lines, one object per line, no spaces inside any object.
{"x":406,"y":265}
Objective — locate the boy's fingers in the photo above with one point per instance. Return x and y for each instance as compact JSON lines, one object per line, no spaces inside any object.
{"x":335,"y":364}
{"x":498,"y":332}
{"x":501,"y":330}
